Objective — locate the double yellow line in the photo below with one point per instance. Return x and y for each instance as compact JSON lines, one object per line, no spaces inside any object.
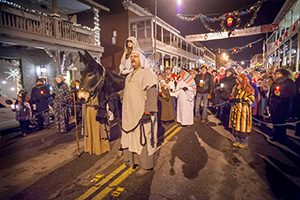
{"x":125,"y":174}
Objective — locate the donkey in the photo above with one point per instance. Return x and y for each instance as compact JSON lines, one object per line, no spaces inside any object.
{"x":97,"y":81}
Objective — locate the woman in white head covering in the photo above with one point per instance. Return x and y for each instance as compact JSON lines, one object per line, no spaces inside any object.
{"x":125,"y":66}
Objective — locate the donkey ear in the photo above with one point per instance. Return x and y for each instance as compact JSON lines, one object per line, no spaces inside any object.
{"x":88,"y":56}
{"x":82,"y":58}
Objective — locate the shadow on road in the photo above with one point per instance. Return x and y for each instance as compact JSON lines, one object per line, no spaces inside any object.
{"x":189,"y":150}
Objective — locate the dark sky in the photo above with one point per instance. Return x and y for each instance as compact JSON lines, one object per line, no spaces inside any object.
{"x":167,"y":10}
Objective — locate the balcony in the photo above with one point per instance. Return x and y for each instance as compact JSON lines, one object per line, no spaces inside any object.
{"x":38,"y":29}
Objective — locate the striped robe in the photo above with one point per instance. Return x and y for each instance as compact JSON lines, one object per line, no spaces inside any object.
{"x":241,"y":113}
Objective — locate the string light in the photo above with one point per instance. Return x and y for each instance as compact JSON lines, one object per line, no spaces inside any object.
{"x":96,"y":27}
{"x":236,"y":50}
{"x":230,"y":17}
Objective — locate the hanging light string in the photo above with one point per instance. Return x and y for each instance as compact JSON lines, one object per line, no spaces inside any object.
{"x":235,"y":50}
{"x":237,"y":14}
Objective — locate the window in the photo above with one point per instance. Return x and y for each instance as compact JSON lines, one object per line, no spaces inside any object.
{"x":294,"y":49}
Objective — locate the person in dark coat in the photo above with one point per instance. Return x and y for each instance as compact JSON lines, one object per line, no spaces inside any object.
{"x":40,"y":103}
{"x":223,"y":91}
{"x":281,"y":93}
{"x":204,"y":82}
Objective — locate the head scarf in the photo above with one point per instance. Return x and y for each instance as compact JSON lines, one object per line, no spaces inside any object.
{"x":135,"y":46}
{"x":245,"y":83}
{"x":143,"y":60}
{"x":186,"y":77}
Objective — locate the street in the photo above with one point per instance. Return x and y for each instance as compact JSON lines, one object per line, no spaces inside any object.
{"x":192,"y":163}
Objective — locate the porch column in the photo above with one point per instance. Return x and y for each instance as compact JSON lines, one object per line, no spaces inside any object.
{"x":96,"y":27}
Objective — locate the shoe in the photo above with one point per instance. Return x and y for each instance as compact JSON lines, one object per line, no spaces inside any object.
{"x":242,"y":146}
{"x":236,"y":144}
{"x":142,"y":172}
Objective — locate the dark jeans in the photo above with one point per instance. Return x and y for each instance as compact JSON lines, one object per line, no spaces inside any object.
{"x":24,"y":125}
{"x":279,"y":132}
{"x":42,"y":119}
{"x":225,"y":113}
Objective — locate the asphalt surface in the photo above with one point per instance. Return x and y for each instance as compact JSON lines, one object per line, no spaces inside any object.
{"x":192,"y":163}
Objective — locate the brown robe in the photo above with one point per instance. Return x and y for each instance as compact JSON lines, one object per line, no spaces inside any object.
{"x":167,"y":112}
{"x":95,"y":137}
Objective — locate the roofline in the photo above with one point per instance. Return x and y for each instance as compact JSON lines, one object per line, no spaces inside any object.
{"x":129,"y":5}
{"x":284,"y":9}
{"x":94,"y":4}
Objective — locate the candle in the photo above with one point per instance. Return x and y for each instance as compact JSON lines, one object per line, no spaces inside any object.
{"x":277,"y":89}
{"x":222,"y":85}
{"x":42,"y":92}
{"x":201,"y":81}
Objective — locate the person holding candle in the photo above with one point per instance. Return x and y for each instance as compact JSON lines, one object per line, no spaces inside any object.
{"x":39,"y":100}
{"x":223,"y":91}
{"x":280,"y":98}
{"x":204,"y":82}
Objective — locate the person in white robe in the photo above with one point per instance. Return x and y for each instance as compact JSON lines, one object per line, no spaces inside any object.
{"x":139,"y":116}
{"x":125,"y":66}
{"x":185,"y":92}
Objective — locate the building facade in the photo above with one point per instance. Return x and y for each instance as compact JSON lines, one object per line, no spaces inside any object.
{"x":172,"y":49}
{"x":257,"y":60}
{"x":42,"y":39}
{"x":283,"y":46}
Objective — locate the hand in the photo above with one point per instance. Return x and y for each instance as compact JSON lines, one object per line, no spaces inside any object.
{"x":234,"y":100}
{"x":146,"y":117}
{"x":185,"y":89}
{"x":277,"y":93}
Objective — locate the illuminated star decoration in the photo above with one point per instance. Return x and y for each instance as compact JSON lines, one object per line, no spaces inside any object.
{"x":13,"y":73}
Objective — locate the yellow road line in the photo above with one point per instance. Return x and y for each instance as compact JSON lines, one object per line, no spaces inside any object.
{"x":172,"y":134}
{"x":169,"y":134}
{"x":114,"y":184}
{"x":102,"y":182}
{"x":171,"y":129}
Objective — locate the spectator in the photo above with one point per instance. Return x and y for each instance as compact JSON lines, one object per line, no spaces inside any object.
{"x":204,"y":84}
{"x":23,"y":113}
{"x":40,"y":102}
{"x":60,"y":104}
{"x":281,"y":93}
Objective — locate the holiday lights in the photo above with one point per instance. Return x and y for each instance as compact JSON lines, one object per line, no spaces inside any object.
{"x":230,"y":18}
{"x":236,"y":50}
{"x":96,"y":27}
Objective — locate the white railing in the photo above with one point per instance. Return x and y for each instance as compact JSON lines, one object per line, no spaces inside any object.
{"x":44,"y":25}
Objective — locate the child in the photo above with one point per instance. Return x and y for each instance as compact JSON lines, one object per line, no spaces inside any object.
{"x":23,"y":113}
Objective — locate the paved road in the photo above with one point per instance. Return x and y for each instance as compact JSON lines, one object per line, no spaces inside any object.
{"x":192,"y":163}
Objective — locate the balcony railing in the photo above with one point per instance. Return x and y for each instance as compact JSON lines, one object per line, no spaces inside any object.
{"x":44,"y":25}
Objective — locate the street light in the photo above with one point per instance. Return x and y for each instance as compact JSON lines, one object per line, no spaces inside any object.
{"x":225,"y":56}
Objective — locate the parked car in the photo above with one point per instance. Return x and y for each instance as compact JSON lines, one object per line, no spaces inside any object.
{"x":7,"y":117}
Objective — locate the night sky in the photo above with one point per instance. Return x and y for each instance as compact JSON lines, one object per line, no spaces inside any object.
{"x":167,"y":10}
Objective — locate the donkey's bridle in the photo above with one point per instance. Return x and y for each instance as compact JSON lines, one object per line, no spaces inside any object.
{"x":91,"y":91}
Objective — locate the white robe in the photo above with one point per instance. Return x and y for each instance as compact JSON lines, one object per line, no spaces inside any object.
{"x":134,"y":99}
{"x":185,"y":104}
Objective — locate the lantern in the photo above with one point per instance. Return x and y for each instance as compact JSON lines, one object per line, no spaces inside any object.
{"x":229,"y":21}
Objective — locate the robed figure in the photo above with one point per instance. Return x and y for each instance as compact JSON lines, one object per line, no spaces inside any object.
{"x":185,"y":92}
{"x":139,"y":116}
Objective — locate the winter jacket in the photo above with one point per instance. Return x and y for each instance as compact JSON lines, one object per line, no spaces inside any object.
{"x":206,"y":86}
{"x":23,"y":111}
{"x":228,"y":82}
{"x":40,"y":97}
{"x":280,"y":105}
